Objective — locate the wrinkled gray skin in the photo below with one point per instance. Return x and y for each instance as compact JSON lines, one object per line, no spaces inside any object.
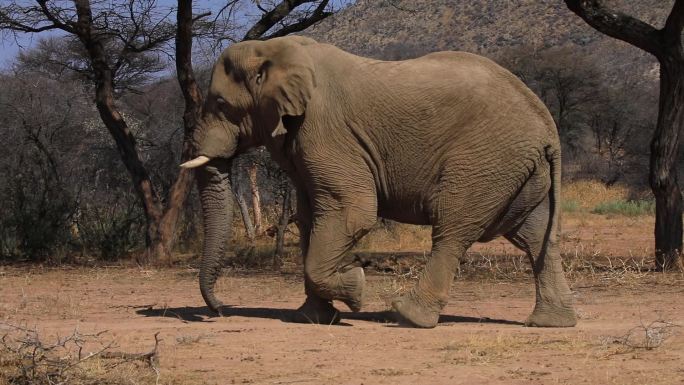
{"x":450,"y":140}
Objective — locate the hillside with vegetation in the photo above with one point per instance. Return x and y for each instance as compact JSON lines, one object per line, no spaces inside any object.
{"x":601,"y":91}
{"x":498,"y":29}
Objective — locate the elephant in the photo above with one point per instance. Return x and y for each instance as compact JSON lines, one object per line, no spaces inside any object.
{"x":449,"y":139}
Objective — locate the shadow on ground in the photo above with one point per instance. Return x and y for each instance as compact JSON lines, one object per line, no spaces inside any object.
{"x":203,"y":314}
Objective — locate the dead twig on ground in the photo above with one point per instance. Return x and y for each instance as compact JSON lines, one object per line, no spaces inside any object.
{"x":645,"y":336}
{"x":26,"y":358}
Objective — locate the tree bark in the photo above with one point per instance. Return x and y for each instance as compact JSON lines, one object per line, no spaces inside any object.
{"x":238,"y":177}
{"x":246,"y":219}
{"x":663,"y":164}
{"x":256,"y":198}
{"x":666,"y":45}
{"x":282,"y":226}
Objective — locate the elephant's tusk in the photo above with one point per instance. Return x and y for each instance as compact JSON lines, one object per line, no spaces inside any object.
{"x":200,"y":160}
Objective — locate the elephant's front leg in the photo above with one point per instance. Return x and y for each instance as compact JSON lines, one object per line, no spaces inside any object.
{"x":333,"y":234}
{"x":315,"y":309}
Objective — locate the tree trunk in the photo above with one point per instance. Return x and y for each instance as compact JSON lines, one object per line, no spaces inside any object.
{"x":282,"y":225}
{"x":666,"y":45}
{"x":238,"y":177}
{"x":125,"y":143}
{"x":161,"y":222}
{"x":663,"y":164}
{"x":256,"y":199}
{"x":166,"y":229}
{"x":112,"y":119}
{"x":246,"y":219}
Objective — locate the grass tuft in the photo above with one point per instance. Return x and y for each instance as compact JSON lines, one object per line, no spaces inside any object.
{"x":625,"y":208}
{"x":570,"y":206}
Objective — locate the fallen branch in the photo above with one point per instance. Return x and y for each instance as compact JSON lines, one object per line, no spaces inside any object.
{"x":33,"y":361}
{"x":151,"y":357}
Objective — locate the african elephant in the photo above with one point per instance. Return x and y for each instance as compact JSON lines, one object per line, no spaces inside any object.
{"x":449,"y":139}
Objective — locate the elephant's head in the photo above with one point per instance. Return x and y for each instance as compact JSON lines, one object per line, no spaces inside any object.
{"x":254,"y":85}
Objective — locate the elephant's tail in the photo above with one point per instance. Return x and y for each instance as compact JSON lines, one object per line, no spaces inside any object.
{"x":553,"y":156}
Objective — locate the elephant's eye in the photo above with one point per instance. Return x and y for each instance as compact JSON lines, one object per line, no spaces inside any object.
{"x":260,"y":77}
{"x":220,"y":100}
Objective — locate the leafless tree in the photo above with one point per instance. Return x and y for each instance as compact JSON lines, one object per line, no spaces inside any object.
{"x":615,"y":122}
{"x":666,"y":45}
{"x":566,"y":84}
{"x":238,"y":176}
{"x":117,"y":36}
{"x":283,"y":222}
{"x":39,"y":202}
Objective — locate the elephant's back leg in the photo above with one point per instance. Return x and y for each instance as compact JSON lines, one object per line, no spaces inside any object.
{"x":466,"y":203}
{"x":532,"y":192}
{"x":535,"y":236}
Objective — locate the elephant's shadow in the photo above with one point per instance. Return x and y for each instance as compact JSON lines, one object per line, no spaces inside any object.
{"x":203,"y":314}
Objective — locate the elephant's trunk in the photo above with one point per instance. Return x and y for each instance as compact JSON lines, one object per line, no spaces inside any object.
{"x":213,"y":181}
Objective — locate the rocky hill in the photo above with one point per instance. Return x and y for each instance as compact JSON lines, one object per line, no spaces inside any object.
{"x":498,"y":29}
{"x":591,"y":83}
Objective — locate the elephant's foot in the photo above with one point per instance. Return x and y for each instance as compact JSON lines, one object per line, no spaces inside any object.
{"x":554,"y":316}
{"x":353,"y":283}
{"x":346,"y":286}
{"x":317,"y":311}
{"x":411,"y":312}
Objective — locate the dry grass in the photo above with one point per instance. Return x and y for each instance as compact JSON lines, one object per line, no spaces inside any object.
{"x":479,"y":266}
{"x":482,"y":349}
{"x":589,"y":196}
{"x":26,"y":358}
{"x":586,"y":236}
{"x":590,"y":193}
{"x":397,"y":237}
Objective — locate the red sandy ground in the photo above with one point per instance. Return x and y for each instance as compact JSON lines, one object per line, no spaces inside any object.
{"x":479,"y":340}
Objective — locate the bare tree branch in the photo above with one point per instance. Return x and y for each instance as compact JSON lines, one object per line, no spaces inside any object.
{"x":318,"y":15}
{"x":618,"y":25}
{"x":673,"y":26}
{"x":200,"y":16}
{"x":32,"y":19}
{"x":273,"y":17}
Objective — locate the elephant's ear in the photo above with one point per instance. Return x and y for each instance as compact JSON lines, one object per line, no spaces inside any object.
{"x":287,"y":82}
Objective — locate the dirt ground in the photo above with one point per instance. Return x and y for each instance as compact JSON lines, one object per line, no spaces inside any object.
{"x":479,"y":339}
{"x":629,"y":332}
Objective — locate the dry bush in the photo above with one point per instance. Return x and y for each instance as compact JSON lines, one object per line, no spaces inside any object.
{"x":394,"y":236}
{"x":400,"y":250}
{"x":402,"y":269}
{"x":645,"y":336}
{"x":480,"y":349}
{"x":494,"y":266}
{"x":28,"y":359}
{"x":590,"y":193}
